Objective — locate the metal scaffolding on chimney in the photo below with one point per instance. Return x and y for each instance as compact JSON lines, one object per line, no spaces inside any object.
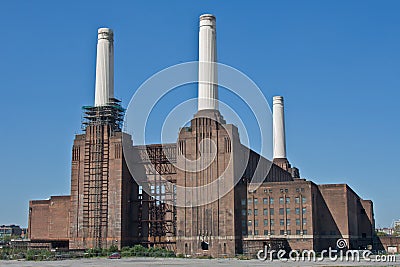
{"x":100,"y":123}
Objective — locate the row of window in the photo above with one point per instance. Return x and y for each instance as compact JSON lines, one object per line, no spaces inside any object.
{"x":281,"y":232}
{"x":272,"y":211}
{"x":272,"y":222}
{"x":283,"y":190}
{"x":271,"y":200}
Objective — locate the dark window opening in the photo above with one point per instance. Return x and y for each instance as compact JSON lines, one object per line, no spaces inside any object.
{"x":364,"y":235}
{"x":204,"y":245}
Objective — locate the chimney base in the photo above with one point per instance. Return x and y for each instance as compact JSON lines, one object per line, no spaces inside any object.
{"x":213,"y":114}
{"x":283,"y":163}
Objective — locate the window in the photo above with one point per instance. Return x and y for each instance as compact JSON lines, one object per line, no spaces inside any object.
{"x":272,"y":222}
{"x":304,"y":221}
{"x":288,"y":200}
{"x":304,"y":210}
{"x":297,"y":211}
{"x":265,"y":222}
{"x":255,"y":212}
{"x":297,"y":221}
{"x":303,"y":199}
{"x":255,"y":232}
{"x":250,"y":232}
{"x":243,"y":202}
{"x":289,"y":232}
{"x":256,"y":223}
{"x":304,"y":232}
{"x":249,"y":201}
{"x":265,"y":212}
{"x":249,"y":212}
{"x":302,"y":189}
{"x":282,"y":222}
{"x":271,"y":200}
{"x":282,"y":232}
{"x":244,"y":212}
{"x":287,"y":211}
{"x":249,"y":223}
{"x":204,"y":245}
{"x":297,"y":232}
{"x":243,"y":223}
{"x":243,"y":232}
{"x":270,"y":191}
{"x":265,"y":232}
{"x":265,"y":190}
{"x":255,"y":201}
{"x":265,"y":201}
{"x":281,"y":200}
{"x":286,"y":190}
{"x":271,"y":211}
{"x":281,"y":211}
{"x":288,"y":222}
{"x":297,"y":200}
{"x":281,"y":190}
{"x":297,"y":190}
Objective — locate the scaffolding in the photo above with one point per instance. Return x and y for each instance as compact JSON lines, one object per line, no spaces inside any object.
{"x":157,"y":213}
{"x":111,"y":114}
{"x":100,"y":123}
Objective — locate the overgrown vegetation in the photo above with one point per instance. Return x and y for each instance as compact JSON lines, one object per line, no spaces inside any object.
{"x":98,"y":252}
{"x":7,"y":253}
{"x":242,"y":257}
{"x":140,"y":251}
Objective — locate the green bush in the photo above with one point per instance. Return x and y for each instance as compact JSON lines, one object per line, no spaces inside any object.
{"x":140,"y":251}
{"x":242,"y":257}
{"x":113,"y":249}
{"x":38,"y":254}
{"x":205,"y":257}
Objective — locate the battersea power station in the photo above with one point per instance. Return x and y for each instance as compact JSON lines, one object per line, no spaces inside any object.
{"x":124,"y":194}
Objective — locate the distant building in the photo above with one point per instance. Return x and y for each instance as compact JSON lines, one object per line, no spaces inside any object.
{"x":386,"y":230}
{"x":396,"y":224}
{"x":9,"y":231}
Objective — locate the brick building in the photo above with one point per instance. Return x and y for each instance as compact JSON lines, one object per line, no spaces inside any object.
{"x":48,"y":224}
{"x":306,"y":216}
{"x":108,"y":207}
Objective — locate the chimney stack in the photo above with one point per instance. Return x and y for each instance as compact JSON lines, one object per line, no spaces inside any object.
{"x":279,"y":128}
{"x":279,"y":134}
{"x":208,"y":80}
{"x":104,"y":67}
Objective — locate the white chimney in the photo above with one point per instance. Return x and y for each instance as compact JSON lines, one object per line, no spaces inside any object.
{"x":279,"y":128}
{"x":208,"y":89}
{"x":104,"y":67}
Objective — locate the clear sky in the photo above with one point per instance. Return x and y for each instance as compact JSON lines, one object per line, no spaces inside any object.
{"x":337,"y":63}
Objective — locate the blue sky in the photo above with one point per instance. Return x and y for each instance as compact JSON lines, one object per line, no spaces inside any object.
{"x":337,"y":63}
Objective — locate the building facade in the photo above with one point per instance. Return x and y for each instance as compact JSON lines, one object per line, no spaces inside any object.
{"x":209,"y":209}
